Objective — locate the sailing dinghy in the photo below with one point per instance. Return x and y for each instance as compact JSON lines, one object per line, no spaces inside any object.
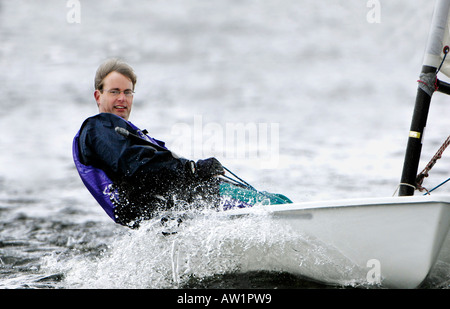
{"x":403,"y":234}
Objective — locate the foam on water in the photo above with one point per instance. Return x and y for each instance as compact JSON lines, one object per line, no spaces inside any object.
{"x":205,"y":245}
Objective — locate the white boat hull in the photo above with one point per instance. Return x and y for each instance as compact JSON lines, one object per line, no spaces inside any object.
{"x":397,"y":238}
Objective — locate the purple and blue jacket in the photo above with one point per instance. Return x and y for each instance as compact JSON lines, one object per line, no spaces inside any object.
{"x":103,"y":157}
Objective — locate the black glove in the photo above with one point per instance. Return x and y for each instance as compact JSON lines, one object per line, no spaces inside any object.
{"x":208,"y":168}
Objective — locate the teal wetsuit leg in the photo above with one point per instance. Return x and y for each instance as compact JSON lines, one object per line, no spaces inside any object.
{"x":249,"y":197}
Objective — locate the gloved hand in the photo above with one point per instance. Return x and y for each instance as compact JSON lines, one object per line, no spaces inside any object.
{"x":208,"y":168}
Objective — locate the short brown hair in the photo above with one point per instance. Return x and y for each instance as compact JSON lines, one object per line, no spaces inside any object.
{"x":113,"y":65}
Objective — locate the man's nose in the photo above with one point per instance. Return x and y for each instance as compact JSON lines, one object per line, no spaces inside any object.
{"x":121,"y":97}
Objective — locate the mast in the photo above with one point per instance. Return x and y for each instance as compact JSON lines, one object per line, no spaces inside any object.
{"x":426,"y":87}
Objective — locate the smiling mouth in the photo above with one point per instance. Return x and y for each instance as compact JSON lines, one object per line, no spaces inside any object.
{"x":120,"y":107}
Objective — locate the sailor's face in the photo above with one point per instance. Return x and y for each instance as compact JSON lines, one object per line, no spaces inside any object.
{"x":117,"y":96}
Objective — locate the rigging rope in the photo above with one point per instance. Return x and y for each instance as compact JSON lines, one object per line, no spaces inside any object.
{"x":425,"y":172}
{"x":442,"y":183}
{"x":445,"y":51}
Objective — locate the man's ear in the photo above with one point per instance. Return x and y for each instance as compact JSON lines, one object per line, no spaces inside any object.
{"x":97,"y":96}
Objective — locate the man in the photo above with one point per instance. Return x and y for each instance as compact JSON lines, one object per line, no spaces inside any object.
{"x":132,"y":175}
